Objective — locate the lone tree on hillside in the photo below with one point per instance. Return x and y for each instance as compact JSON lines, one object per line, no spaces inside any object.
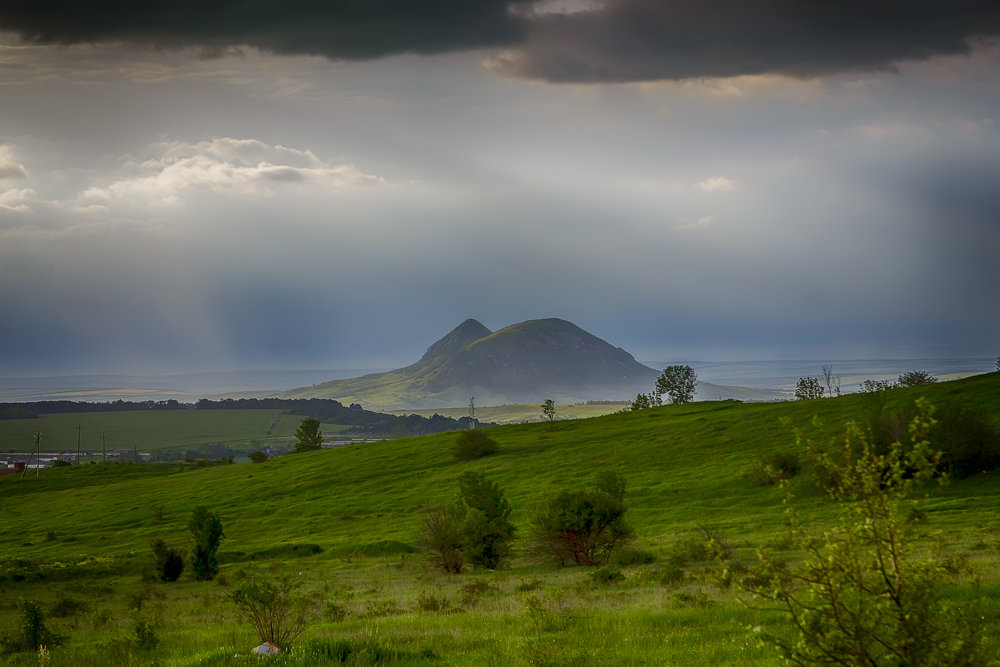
{"x":308,"y":436}
{"x":206,"y":529}
{"x":915,"y":378}
{"x":549,"y":409}
{"x":678,"y":383}
{"x":808,"y":388}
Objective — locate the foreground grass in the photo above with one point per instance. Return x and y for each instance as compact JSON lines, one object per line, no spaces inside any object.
{"x":343,"y":523}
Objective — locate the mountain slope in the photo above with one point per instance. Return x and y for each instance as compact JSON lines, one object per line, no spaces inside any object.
{"x":526,"y":362}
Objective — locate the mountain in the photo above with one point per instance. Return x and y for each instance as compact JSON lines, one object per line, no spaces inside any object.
{"x":522,"y":363}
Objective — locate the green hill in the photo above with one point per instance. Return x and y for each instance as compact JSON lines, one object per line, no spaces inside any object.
{"x":343,"y":522}
{"x":522,"y":363}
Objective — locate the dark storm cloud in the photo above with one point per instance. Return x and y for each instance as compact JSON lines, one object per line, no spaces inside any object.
{"x":621,"y":40}
{"x":642,"y":40}
{"x":348,"y":29}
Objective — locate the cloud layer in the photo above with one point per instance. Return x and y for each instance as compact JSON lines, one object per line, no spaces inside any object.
{"x":617,"y":40}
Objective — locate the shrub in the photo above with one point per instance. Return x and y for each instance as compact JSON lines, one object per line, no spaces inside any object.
{"x":65,"y":606}
{"x":442,"y":538}
{"x":606,"y":576}
{"x":808,"y":388}
{"x":967,"y":438}
{"x":257,"y":457}
{"x":584,"y":526}
{"x":473,"y":444}
{"x":142,"y":634}
{"x":862,"y":596}
{"x":432,"y":602}
{"x":774,"y":468}
{"x":476,"y":589}
{"x":206,"y":529}
{"x":915,"y":378}
{"x":31,"y":629}
{"x":167,"y":561}
{"x":274,"y":608}
{"x":487,"y":532}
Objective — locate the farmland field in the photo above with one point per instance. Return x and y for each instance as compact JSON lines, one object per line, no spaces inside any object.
{"x":147,"y":430}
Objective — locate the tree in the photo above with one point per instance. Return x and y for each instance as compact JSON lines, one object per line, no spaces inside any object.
{"x":808,"y":388}
{"x":258,"y":457}
{"x":585,"y":525}
{"x":487,"y":532}
{"x":678,"y":383}
{"x":642,"y":402}
{"x":863,"y":596}
{"x":308,"y":436}
{"x":473,"y":444}
{"x":832,"y":381}
{"x":549,"y":409}
{"x":915,"y":378}
{"x":167,"y":561}
{"x":274,"y":609}
{"x":206,"y":529}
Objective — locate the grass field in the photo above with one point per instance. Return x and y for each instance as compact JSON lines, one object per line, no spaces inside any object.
{"x":521,"y":412}
{"x":147,"y":430}
{"x":342,"y":522}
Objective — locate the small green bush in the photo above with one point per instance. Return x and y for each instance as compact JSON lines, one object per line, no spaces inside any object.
{"x":65,"y":607}
{"x":143,"y":634}
{"x":433,"y":602}
{"x":274,"y":608}
{"x":606,"y":576}
{"x":473,"y":444}
{"x":31,"y":629}
{"x":167,"y":561}
{"x":206,"y":529}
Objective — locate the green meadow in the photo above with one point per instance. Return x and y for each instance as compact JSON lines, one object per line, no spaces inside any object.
{"x":344,"y":524}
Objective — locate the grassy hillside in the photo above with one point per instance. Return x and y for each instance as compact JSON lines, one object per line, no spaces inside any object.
{"x":146,"y":430}
{"x":342,"y":521}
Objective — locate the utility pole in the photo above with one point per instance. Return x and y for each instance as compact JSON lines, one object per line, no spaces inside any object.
{"x":79,"y":432}
{"x":104,"y":450}
{"x":472,"y":412}
{"x":34,"y":450}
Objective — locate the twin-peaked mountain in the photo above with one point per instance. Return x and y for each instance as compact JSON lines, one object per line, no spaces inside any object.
{"x":522,"y":363}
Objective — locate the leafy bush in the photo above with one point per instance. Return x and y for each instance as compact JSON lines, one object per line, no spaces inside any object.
{"x":487,"y":532}
{"x":473,"y":444}
{"x":584,"y":526}
{"x":442,"y":538}
{"x":808,"y":388}
{"x":167,"y":561}
{"x":968,"y":439}
{"x":65,"y":607}
{"x":774,"y":468}
{"x":432,"y":602}
{"x":206,"y":529}
{"x":274,"y":608}
{"x":606,"y":576}
{"x":863,"y":596}
{"x":258,"y":457}
{"x":308,"y":436}
{"x":915,"y":378}
{"x":31,"y":629}
{"x":143,"y":634}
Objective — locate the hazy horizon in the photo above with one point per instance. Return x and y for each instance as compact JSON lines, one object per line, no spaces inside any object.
{"x":246,"y":187}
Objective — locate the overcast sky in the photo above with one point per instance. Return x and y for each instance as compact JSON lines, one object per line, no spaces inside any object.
{"x":338,"y":184}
